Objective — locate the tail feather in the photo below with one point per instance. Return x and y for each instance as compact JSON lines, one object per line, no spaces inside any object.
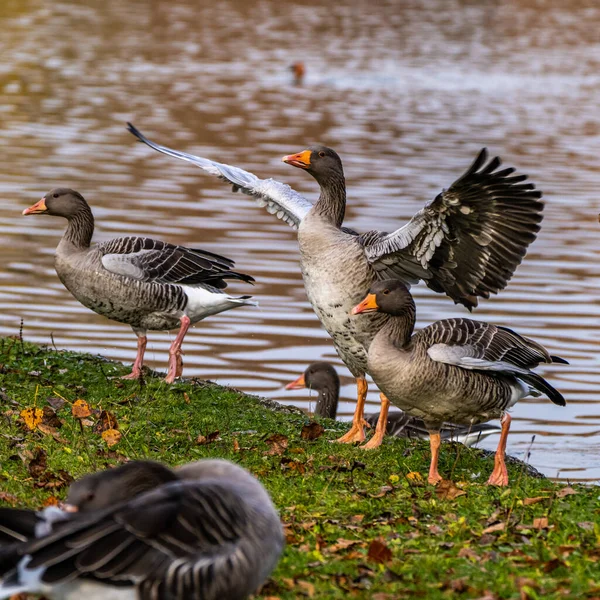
{"x":539,"y":383}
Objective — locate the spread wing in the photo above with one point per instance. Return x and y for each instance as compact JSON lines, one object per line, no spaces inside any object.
{"x":155,"y":541}
{"x":469,"y":240}
{"x":278,"y":198}
{"x":159,"y":262}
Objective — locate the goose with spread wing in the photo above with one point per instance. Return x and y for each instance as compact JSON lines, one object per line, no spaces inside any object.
{"x":456,"y":370}
{"x":466,"y":243}
{"x":143,"y":531}
{"x":145,"y":283}
{"x":323,"y":378}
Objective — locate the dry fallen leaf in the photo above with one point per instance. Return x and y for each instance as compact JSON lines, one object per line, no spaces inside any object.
{"x":32,"y":416}
{"x":50,"y":501}
{"x":106,"y":420}
{"x":415,"y":477}
{"x":497,"y":527}
{"x":341,"y":544}
{"x":236,"y":445}
{"x":55,"y":402}
{"x":111,"y":437}
{"x":379,"y":552}
{"x":566,"y":491}
{"x":80,"y":409}
{"x":447,"y":490}
{"x":528,"y":501}
{"x":277,"y":443}
{"x":208,"y":439}
{"x":312,"y":431}
{"x":307,"y":588}
{"x":540,"y":523}
{"x":186,"y":398}
{"x":38,"y":464}
{"x":8,"y":498}
{"x":466,"y":552}
{"x":50,"y":419}
{"x":47,"y":430}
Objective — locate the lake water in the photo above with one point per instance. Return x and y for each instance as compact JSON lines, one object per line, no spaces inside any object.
{"x":407,"y":92}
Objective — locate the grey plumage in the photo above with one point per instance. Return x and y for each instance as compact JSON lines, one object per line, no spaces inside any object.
{"x":211,"y":532}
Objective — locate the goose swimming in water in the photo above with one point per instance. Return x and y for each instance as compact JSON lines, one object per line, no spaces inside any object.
{"x":143,"y":531}
{"x":455,"y":370}
{"x":145,"y":283}
{"x":466,"y":243}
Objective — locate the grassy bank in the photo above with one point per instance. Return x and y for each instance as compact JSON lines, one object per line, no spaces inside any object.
{"x":358,"y":524}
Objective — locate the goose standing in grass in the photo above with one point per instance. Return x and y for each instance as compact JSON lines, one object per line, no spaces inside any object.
{"x":466,"y":243}
{"x":455,"y":370}
{"x":322,"y":377}
{"x":143,"y":531}
{"x":145,"y":283}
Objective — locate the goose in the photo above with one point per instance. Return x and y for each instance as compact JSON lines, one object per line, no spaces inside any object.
{"x":458,"y":370}
{"x":205,"y":530}
{"x":145,"y":283}
{"x":466,"y":243}
{"x":322,"y":377}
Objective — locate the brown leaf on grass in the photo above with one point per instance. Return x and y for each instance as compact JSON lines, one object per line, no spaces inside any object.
{"x":447,"y":490}
{"x":379,"y":552}
{"x":466,"y":552}
{"x":497,"y":527}
{"x":566,"y":491}
{"x":293,"y":465}
{"x":47,"y":430}
{"x":8,"y":498}
{"x":278,"y":444}
{"x":528,"y":501}
{"x":50,"y":501}
{"x":236,"y":445}
{"x":106,"y":421}
{"x":55,"y":402}
{"x":186,"y":398}
{"x":587,"y":525}
{"x":112,"y":437}
{"x":208,"y":439}
{"x":357,"y":518}
{"x":80,"y":409}
{"x":383,"y":491}
{"x":50,"y":419}
{"x":540,"y":523}
{"x":306,"y":588}
{"x":342,"y":544}
{"x":38,"y":464}
{"x":415,"y":477}
{"x":32,"y":416}
{"x":312,"y":431}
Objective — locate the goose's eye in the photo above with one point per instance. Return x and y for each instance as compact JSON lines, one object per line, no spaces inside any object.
{"x":322,"y":154}
{"x":55,"y":195}
{"x":386,"y":292}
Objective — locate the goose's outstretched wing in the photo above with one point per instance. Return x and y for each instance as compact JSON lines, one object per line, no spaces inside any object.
{"x":151,"y":260}
{"x":278,"y":198}
{"x":469,"y":240}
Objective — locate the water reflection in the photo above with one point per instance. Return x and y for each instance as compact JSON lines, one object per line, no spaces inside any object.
{"x":407,"y":93}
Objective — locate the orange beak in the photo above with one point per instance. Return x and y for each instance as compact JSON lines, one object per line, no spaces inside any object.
{"x":296,"y":385}
{"x":38,"y":207}
{"x":369,"y":304}
{"x":300,"y":160}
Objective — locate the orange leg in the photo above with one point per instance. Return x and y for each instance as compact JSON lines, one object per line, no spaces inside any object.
{"x":175,"y":360}
{"x":136,"y":372}
{"x":499,"y":475}
{"x":357,"y":431}
{"x":381,"y":427}
{"x":435,"y":442}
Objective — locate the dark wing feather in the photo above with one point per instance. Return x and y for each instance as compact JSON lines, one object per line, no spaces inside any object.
{"x":487,"y":342}
{"x":469,"y":240}
{"x":278,"y":198}
{"x":137,"y":541}
{"x":151,"y":260}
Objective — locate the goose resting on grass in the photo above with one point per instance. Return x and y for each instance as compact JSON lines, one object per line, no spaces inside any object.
{"x":457,"y":370}
{"x":466,"y":243}
{"x":145,"y":283}
{"x":322,"y":377}
{"x":143,"y":531}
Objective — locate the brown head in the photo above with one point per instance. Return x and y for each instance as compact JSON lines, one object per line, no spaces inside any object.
{"x":60,"y":202}
{"x":321,"y":162}
{"x":322,"y":377}
{"x":390,"y":297}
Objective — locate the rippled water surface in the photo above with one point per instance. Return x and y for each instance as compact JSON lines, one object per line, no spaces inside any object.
{"x":407,"y":92}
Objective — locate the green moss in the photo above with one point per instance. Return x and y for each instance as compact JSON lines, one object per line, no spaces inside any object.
{"x":335,"y":499}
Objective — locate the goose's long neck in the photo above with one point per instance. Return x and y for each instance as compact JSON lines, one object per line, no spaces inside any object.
{"x":332,"y":201}
{"x":327,"y":402}
{"x":399,"y":329}
{"x":80,"y":229}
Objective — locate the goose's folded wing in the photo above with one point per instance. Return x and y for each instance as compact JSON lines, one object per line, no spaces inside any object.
{"x":278,"y":198}
{"x":191,"y":523}
{"x":469,"y":240}
{"x":155,"y":261}
{"x":484,"y":341}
